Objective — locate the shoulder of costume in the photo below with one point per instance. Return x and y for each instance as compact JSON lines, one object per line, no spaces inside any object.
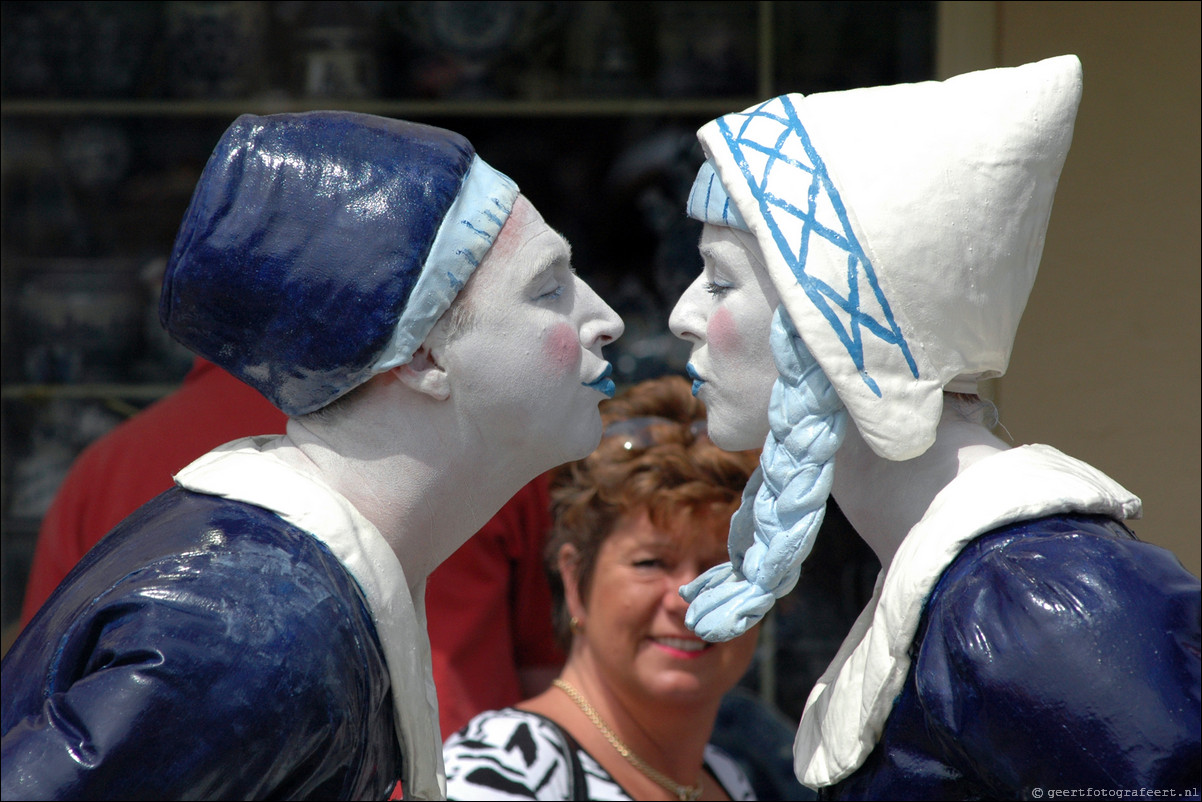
{"x":847,"y":709}
{"x":247,"y":470}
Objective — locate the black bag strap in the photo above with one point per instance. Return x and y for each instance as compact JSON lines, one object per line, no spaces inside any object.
{"x":576,"y":779}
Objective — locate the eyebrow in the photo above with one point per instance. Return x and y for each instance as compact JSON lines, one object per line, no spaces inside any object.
{"x":539,"y":271}
{"x":707,"y":251}
{"x":660,"y":541}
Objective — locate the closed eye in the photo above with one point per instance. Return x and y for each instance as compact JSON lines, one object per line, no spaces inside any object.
{"x":714,"y":288}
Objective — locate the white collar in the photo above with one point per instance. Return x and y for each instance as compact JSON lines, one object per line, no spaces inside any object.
{"x":241,"y":471}
{"x":847,"y":709}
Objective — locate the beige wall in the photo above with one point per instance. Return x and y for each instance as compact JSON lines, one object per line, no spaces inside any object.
{"x":1106,"y":365}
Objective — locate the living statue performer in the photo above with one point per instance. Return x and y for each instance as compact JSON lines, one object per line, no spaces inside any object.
{"x":1020,"y":639}
{"x":488,"y":605}
{"x":258,"y":630}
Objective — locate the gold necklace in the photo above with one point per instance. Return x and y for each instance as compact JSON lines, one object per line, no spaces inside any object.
{"x":685,"y":793}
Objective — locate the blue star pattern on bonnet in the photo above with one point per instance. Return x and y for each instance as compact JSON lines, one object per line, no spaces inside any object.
{"x":789,"y":160}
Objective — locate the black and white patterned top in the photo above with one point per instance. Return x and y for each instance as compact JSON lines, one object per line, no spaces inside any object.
{"x":514,"y":754}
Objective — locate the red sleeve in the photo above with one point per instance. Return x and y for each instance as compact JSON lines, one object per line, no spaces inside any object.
{"x":534,"y":634}
{"x":135,"y":462}
{"x":61,"y":541}
{"x":488,"y":611}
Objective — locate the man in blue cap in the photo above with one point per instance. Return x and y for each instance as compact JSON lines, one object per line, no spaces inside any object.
{"x":259,"y":629}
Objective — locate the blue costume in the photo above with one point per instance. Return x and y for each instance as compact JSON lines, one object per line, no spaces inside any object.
{"x":189,"y":599}
{"x":1019,"y":641}
{"x":1037,"y":637}
{"x":1031,"y":619}
{"x":256,"y":611}
{"x":249,"y":633}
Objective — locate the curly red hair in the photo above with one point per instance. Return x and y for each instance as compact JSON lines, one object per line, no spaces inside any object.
{"x":666,"y":466}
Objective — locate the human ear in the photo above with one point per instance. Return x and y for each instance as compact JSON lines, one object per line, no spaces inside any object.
{"x":425,"y":375}
{"x":568,"y":563}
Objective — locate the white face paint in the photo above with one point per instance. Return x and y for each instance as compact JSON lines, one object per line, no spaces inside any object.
{"x":726,"y":314}
{"x":528,"y":372}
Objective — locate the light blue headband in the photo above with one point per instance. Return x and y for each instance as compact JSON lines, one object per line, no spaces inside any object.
{"x":709,"y":203}
{"x":468,"y":230}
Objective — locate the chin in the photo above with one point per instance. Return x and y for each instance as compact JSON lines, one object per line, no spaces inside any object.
{"x":583,"y":439}
{"x":685,"y":690}
{"x":742,"y":438}
{"x":735,"y":425}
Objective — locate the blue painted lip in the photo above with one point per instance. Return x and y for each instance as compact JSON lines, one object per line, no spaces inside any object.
{"x":604,"y":384}
{"x":697,"y":380}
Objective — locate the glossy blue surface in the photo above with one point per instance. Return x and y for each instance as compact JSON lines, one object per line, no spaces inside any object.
{"x":302,"y":244}
{"x":205,"y":649}
{"x":1054,"y":654}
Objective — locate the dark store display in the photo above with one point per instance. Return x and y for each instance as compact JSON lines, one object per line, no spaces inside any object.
{"x":110,"y":110}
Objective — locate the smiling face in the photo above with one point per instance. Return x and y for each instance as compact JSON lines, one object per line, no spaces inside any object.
{"x":726,"y":315}
{"x":633,"y":631}
{"x":526,"y":369}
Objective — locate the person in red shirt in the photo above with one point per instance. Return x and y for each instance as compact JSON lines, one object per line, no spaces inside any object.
{"x":488,"y":606}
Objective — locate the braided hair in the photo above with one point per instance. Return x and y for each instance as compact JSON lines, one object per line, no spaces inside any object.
{"x":784,"y":502}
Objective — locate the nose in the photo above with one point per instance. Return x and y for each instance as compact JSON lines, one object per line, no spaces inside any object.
{"x":673,"y":602}
{"x":687,"y":320}
{"x":685,"y":572}
{"x":601,"y":324}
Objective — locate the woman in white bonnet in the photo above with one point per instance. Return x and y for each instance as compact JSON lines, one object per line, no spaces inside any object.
{"x":1020,"y":639}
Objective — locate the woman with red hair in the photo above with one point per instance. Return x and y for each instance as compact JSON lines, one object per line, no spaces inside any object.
{"x":631,"y":715}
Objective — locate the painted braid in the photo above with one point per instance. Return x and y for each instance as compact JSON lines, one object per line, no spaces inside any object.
{"x":771,"y":536}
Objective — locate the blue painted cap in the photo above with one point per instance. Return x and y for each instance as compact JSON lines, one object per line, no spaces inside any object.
{"x":320,"y":248}
{"x":709,"y":202}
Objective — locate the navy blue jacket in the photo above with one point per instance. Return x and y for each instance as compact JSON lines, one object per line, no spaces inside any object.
{"x":204,"y":649}
{"x":1054,"y":654}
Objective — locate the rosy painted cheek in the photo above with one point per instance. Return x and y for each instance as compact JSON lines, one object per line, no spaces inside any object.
{"x":721,"y":332}
{"x":561,"y":349}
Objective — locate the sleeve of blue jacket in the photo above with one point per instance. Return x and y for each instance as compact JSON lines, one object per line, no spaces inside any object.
{"x":205,"y":649}
{"x":1057,"y":654}
{"x":1055,"y":658}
